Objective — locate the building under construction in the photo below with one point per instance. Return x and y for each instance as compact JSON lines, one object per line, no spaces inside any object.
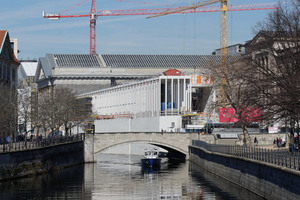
{"x":154,"y":104}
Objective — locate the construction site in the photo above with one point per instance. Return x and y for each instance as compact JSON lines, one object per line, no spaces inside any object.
{"x":131,"y":93}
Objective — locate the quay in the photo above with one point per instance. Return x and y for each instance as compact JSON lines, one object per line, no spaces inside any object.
{"x":40,"y":157}
{"x":271,"y":174}
{"x":267,"y":172}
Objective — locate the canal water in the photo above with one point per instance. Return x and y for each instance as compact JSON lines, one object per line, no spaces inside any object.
{"x":116,"y":177}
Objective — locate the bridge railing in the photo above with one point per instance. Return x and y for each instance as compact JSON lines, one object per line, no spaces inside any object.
{"x":39,"y":143}
{"x":281,"y":157}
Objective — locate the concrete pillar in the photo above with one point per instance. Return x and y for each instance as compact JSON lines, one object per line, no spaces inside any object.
{"x":184,"y":95}
{"x":166,"y":95}
{"x":178,"y":95}
{"x":89,"y":154}
{"x":159,"y":97}
{"x":190,"y":98}
{"x":172,"y":94}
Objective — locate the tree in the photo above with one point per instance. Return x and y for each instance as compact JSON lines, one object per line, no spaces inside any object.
{"x":58,"y":107}
{"x":275,"y":57}
{"x":267,"y":77}
{"x":24,"y":106}
{"x":234,"y":92}
{"x":8,"y":114}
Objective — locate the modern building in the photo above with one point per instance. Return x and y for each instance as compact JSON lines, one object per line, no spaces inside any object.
{"x":155,"y":104}
{"x":101,"y":72}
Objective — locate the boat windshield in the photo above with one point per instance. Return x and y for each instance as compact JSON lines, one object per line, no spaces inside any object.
{"x":151,"y":152}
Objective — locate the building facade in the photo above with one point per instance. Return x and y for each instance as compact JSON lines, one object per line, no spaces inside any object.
{"x":8,"y":85}
{"x":154,"y":104}
{"x":87,"y":73}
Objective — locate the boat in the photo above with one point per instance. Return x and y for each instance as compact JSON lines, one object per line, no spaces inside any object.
{"x":151,"y":158}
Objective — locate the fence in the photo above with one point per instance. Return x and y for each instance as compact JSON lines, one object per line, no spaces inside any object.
{"x":40,"y":142}
{"x":280,"y":157}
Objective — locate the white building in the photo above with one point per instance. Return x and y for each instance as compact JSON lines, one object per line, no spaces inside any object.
{"x":26,"y":88}
{"x":153,"y":104}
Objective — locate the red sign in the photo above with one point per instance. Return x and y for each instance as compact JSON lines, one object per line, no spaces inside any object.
{"x":249,"y":115}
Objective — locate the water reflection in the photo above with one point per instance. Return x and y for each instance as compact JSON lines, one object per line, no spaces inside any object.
{"x":59,"y":185}
{"x":121,"y":177}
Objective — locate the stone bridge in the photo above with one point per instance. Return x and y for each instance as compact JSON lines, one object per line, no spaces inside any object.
{"x":177,"y":144}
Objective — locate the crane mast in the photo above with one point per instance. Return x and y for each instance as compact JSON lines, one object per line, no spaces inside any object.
{"x":223,"y":32}
{"x":93,"y":19}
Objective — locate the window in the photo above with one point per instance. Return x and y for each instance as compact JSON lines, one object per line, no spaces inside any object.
{"x":172,"y":124}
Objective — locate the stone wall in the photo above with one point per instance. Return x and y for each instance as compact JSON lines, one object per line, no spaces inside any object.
{"x":42,"y":160}
{"x":267,"y":180}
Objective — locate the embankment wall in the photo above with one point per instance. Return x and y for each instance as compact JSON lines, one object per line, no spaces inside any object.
{"x":24,"y":163}
{"x":266,"y":180}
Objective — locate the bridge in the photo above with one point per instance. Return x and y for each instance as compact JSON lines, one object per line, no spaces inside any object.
{"x":177,"y":144}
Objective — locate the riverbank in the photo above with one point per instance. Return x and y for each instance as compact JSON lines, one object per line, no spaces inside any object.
{"x":30,"y":162}
{"x":267,"y":180}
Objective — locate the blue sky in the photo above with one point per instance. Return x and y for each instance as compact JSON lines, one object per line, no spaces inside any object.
{"x":172,"y":34}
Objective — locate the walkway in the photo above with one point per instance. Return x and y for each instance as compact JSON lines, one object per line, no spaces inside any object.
{"x":273,"y":155}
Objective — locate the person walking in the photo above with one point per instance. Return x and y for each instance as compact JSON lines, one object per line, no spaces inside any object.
{"x":255,"y":141}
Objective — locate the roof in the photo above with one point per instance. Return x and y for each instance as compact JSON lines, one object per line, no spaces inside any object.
{"x":5,"y":36}
{"x":76,"y":60}
{"x":131,"y":61}
{"x":29,"y":68}
{"x":2,"y":38}
{"x":173,"y":72}
{"x":159,"y":61}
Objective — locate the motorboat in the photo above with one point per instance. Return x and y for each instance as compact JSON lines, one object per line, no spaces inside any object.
{"x":151,"y":158}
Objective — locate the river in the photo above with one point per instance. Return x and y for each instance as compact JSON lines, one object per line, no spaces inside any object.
{"x":116,"y":177}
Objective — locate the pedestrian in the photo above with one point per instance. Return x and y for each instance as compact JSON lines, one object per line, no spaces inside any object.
{"x":280,"y":141}
{"x":255,"y":141}
{"x":277,"y":142}
{"x":8,"y":142}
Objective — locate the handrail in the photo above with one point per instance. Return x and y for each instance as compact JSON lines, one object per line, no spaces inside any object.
{"x":281,"y":157}
{"x":39,"y":143}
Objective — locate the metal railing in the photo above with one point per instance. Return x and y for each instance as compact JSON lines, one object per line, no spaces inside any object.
{"x":39,"y":143}
{"x":281,"y":157}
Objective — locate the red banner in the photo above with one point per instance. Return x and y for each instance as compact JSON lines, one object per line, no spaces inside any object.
{"x":249,"y":115}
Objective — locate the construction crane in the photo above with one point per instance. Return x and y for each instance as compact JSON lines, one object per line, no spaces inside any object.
{"x":195,"y":8}
{"x":223,"y":21}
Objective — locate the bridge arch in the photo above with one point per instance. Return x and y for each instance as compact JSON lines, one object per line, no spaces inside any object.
{"x":175,"y":143}
{"x":173,"y":152}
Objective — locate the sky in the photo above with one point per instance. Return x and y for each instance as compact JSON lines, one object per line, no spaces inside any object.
{"x":172,"y":34}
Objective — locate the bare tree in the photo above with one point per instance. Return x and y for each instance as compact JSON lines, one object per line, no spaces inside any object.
{"x":24,"y":107}
{"x":8,"y":114}
{"x":59,"y":107}
{"x":267,"y":77}
{"x":275,"y":57}
{"x":234,"y":92}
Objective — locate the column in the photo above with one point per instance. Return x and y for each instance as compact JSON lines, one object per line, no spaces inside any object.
{"x":159,"y":97}
{"x":178,"y":95}
{"x":166,"y":93}
{"x":172,"y":94}
{"x":184,"y":95}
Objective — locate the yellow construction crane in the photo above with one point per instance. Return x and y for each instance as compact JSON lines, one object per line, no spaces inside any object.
{"x":223,"y":21}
